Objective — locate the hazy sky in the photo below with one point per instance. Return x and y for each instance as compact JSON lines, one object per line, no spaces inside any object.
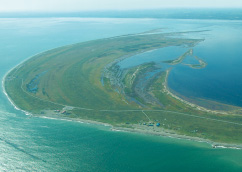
{"x":80,"y":5}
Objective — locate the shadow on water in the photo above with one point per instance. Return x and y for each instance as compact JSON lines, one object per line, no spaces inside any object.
{"x":13,"y":145}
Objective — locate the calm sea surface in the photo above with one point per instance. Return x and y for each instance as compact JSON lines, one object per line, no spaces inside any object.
{"x":221,"y":79}
{"x":39,"y":144}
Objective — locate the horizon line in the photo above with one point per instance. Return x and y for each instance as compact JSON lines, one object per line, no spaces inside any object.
{"x":107,"y":10}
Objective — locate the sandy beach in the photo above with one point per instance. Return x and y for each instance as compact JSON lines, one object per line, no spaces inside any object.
{"x":134,"y":129}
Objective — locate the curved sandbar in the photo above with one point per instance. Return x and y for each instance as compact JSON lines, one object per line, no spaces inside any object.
{"x":83,"y":81}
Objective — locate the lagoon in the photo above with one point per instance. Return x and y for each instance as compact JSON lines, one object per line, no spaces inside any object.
{"x":220,"y":81}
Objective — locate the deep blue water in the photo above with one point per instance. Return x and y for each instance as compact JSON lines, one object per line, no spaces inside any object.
{"x":39,"y":144}
{"x":221,"y":79}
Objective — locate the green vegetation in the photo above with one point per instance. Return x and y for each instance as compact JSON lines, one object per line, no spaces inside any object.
{"x":202,"y":64}
{"x":181,"y":58}
{"x":84,"y":81}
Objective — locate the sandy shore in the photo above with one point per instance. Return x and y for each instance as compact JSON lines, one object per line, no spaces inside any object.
{"x":4,"y":90}
{"x":171,"y":134}
{"x":163,"y":133}
{"x":135,"y":129}
{"x":167,"y":91}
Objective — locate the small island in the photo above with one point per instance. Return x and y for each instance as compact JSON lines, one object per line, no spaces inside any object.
{"x":84,"y":82}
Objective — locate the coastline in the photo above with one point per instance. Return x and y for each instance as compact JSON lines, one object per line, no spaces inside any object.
{"x":167,"y":91}
{"x":4,"y":90}
{"x":164,"y":133}
{"x":19,"y":65}
{"x":183,"y":137}
{"x":123,"y":129}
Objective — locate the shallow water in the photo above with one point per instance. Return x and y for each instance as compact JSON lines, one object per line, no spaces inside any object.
{"x":40,"y":144}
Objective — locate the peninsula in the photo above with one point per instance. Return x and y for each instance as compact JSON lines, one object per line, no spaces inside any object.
{"x":84,"y":81}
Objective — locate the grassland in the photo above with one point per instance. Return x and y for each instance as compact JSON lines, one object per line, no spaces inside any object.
{"x":83,"y":81}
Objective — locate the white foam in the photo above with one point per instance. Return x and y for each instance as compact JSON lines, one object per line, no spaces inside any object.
{"x":18,"y":65}
{"x":227,"y":147}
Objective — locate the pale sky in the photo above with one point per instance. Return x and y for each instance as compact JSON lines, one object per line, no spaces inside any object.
{"x":83,"y":5}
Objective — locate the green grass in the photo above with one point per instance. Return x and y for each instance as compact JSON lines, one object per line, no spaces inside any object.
{"x":73,"y":79}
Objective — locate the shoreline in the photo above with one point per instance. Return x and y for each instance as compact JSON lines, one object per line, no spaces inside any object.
{"x":183,"y":137}
{"x":163,"y":133}
{"x":197,"y":107}
{"x":4,"y":90}
{"x":121,"y":129}
{"x":19,"y":65}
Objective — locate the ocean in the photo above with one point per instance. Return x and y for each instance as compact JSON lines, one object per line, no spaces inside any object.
{"x":40,"y":144}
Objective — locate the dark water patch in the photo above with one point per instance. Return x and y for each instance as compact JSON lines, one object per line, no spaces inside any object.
{"x":221,"y":80}
{"x":15,"y":146}
{"x":33,"y":85}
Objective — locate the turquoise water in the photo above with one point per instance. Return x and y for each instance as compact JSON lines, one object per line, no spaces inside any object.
{"x":40,"y":144}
